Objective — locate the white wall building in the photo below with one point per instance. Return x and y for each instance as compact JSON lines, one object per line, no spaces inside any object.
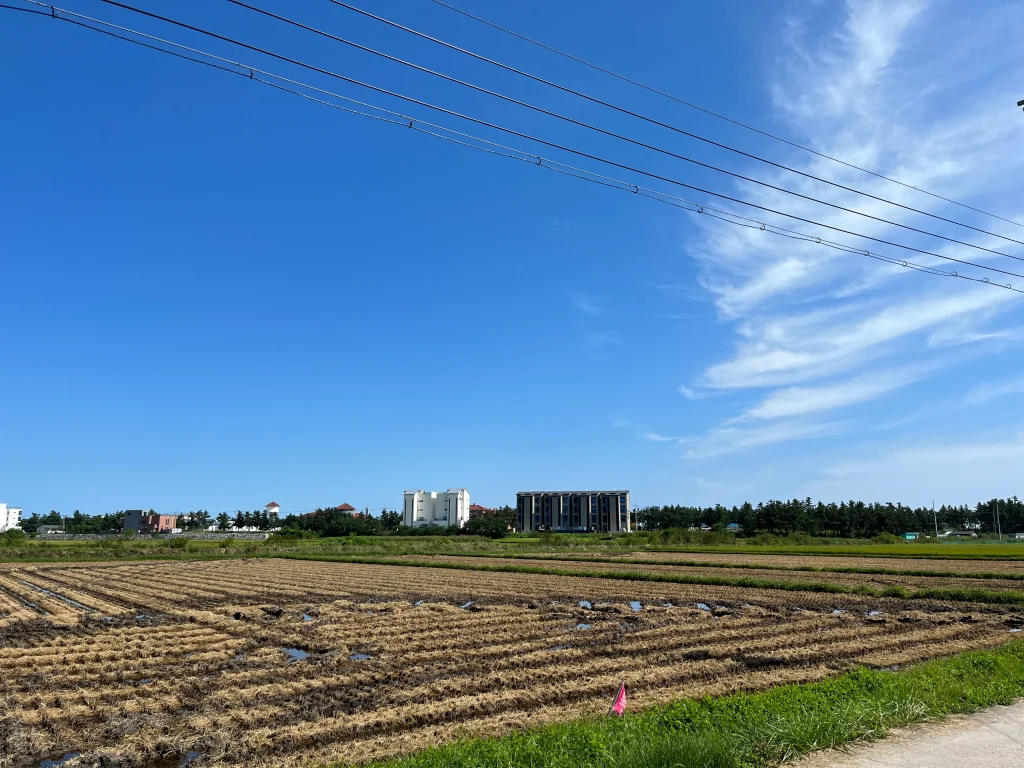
{"x":449,"y":507}
{"x":10,"y":517}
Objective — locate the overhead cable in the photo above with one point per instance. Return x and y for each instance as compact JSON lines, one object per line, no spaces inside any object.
{"x":718,"y":115}
{"x":643,"y":117}
{"x":250,"y":72}
{"x":545,"y":142}
{"x":612,"y":134}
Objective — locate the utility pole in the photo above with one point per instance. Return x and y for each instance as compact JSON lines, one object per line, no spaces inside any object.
{"x":936,"y":519}
{"x":999,"y":524}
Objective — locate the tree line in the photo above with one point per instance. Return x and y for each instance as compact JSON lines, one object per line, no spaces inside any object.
{"x":329,"y":522}
{"x":113,"y":522}
{"x":847,"y":519}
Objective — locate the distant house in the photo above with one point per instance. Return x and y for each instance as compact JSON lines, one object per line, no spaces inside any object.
{"x":143,"y":522}
{"x":273,"y":508}
{"x":734,"y":527}
{"x":1019,"y":536}
{"x":345,"y":508}
{"x":958,"y":535}
{"x":911,"y":535}
{"x":42,"y":530}
{"x":475,"y":510}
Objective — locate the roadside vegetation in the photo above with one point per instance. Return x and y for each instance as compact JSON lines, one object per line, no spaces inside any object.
{"x":753,"y":730}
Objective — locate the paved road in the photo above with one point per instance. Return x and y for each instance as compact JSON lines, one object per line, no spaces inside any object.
{"x":990,"y":739}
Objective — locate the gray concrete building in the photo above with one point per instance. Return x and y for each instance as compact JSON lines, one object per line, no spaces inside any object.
{"x":573,"y":511}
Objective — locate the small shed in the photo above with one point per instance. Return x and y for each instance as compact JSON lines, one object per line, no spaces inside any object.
{"x":911,"y":535}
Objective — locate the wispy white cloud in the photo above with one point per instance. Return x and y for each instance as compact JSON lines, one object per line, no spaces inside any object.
{"x":656,"y":438}
{"x":587,"y":305}
{"x":799,"y":401}
{"x":954,"y":472}
{"x":982,"y":393}
{"x":725,"y":440}
{"x":901,"y":87}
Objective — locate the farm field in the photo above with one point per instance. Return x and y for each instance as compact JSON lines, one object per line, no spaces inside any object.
{"x":277,"y":662}
{"x":777,"y":574}
{"x":965,"y":566}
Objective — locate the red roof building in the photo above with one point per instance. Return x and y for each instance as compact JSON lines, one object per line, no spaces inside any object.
{"x":346,"y":508}
{"x":475,"y":510}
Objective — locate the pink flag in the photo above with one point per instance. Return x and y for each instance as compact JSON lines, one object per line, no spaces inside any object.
{"x":619,"y":702}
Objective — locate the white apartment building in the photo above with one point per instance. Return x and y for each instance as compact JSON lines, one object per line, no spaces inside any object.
{"x":449,"y":507}
{"x":10,"y":517}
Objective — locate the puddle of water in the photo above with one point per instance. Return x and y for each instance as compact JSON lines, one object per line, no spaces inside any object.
{"x":582,"y":626}
{"x":666,"y":605}
{"x":67,"y":600}
{"x":467,"y":604}
{"x":1015,"y":629}
{"x":58,"y":761}
{"x":295,"y":654}
{"x":636,"y":605}
{"x":360,"y":656}
{"x":560,"y":648}
{"x":188,"y":757}
{"x":703,"y":606}
{"x":141,"y":616}
{"x":874,"y":613}
{"x":838,"y":612}
{"x":418,"y":603}
{"x":306,"y":617}
{"x":145,"y":681}
{"x":586,"y":604}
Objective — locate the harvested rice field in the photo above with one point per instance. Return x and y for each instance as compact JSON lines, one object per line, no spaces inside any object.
{"x":275,"y":662}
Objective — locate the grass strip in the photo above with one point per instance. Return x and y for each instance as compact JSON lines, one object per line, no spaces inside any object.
{"x":871,"y":571}
{"x":752,"y":730}
{"x":1005,"y":597}
{"x":881,"y":550}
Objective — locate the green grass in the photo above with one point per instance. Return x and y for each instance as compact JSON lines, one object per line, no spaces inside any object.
{"x":1000,"y":597}
{"x":909,"y":551}
{"x":37,"y":550}
{"x":868,"y":570}
{"x":752,"y":730}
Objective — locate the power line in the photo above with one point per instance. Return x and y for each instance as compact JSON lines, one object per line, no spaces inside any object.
{"x":643,"y":117}
{"x":720,"y":116}
{"x":249,"y":72}
{"x":545,"y":142}
{"x":613,"y":134}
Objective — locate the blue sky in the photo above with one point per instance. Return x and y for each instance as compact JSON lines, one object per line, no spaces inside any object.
{"x":215,"y":294}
